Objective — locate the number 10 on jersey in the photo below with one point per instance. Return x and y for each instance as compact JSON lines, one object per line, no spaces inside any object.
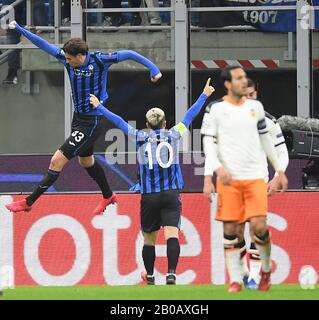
{"x":158,"y":153}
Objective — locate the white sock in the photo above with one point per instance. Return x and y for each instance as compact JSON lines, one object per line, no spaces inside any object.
{"x":243,"y":258}
{"x":232,"y":259}
{"x":254,"y":263}
{"x":244,"y":266}
{"x":255,"y":266}
{"x":264,"y":249}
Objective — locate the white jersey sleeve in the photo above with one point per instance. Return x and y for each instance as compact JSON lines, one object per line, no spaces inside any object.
{"x":279,"y":142}
{"x":266,"y":140}
{"x":262,"y":124}
{"x":209,"y":130}
{"x":209,"y":124}
{"x":278,"y":136}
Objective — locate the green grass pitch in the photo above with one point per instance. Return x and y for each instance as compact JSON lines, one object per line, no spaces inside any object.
{"x":178,"y":292}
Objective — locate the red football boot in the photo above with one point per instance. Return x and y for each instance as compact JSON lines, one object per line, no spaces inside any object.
{"x":104,"y":203}
{"x":264,"y":284}
{"x":234,"y":287}
{"x":19,"y":206}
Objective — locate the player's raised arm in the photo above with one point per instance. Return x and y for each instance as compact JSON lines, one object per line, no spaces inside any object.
{"x":194,"y":110}
{"x":114,"y":118}
{"x":132,"y":55}
{"x":38,"y":41}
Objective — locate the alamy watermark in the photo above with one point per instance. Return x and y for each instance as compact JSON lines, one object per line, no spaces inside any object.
{"x":308,"y":277}
{"x":123,"y":150}
{"x":6,"y":16}
{"x":307,"y":17}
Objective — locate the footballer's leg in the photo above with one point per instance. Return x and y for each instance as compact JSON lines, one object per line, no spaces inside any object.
{"x":149,"y":256}
{"x":256,"y":200}
{"x":243,"y":253}
{"x":171,"y":221}
{"x":254,"y":264}
{"x":230,"y":212}
{"x":172,"y":251}
{"x":58,"y":161}
{"x":71,"y":147}
{"x":263,"y":244}
{"x":96,"y":172}
{"x":232,"y":255}
{"x":150,"y":225}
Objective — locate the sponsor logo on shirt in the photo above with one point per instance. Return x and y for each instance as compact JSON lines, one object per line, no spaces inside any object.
{"x":83,"y":73}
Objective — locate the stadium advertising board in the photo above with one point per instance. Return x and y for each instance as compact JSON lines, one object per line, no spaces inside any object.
{"x":61,"y":243}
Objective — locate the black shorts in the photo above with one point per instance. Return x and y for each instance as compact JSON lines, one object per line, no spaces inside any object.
{"x":160,"y":209}
{"x":85,"y":131}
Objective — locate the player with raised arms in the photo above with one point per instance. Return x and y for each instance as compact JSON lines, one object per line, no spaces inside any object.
{"x":88,"y":74}
{"x":160,"y":179}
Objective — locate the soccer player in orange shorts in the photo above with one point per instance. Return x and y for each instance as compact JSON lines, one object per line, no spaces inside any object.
{"x":251,"y":274}
{"x":235,"y":136}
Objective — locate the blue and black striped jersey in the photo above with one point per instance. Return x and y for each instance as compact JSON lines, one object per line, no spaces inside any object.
{"x":90,"y":78}
{"x":158,"y":159}
{"x":158,"y":150}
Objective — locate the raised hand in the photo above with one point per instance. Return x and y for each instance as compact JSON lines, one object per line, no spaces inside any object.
{"x":12,"y":24}
{"x":208,"y":90}
{"x":157,"y":77}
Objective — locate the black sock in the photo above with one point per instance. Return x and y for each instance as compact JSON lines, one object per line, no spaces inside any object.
{"x":173,"y":251}
{"x":50,"y":177}
{"x":96,"y":172}
{"x":148,"y":255}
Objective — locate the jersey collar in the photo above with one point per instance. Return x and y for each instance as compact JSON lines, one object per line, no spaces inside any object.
{"x":238,"y":104}
{"x":87,"y":59}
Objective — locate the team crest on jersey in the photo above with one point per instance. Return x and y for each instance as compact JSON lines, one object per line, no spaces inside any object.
{"x":253,"y":113}
{"x":91,"y":67}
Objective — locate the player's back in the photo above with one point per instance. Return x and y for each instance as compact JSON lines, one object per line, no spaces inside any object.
{"x":158,"y":159}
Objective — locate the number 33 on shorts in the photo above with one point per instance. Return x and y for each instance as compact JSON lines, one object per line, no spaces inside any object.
{"x":77,"y":136}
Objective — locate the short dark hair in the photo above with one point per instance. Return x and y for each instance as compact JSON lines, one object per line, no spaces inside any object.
{"x":76,"y":46}
{"x":251,"y":83}
{"x":226,"y":73}
{"x":159,"y":126}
